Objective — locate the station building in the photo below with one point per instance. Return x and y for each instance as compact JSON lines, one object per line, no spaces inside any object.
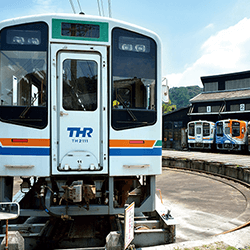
{"x":224,"y":96}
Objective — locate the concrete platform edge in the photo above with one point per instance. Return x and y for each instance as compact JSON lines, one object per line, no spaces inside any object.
{"x":236,"y":171}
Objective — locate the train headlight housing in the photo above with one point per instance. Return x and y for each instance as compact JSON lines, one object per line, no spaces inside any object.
{"x":134,"y":44}
{"x":24,"y":37}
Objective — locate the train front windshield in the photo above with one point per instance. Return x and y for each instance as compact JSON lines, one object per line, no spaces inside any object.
{"x":134,"y":80}
{"x":206,"y":129}
{"x":23,"y":75}
{"x":235,"y":129}
{"x":219,"y":129}
{"x":191,"y":129}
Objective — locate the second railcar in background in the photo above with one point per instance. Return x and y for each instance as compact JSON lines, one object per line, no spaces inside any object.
{"x":200,"y":134}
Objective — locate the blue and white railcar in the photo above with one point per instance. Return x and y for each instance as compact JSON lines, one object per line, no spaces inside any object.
{"x":231,"y":134}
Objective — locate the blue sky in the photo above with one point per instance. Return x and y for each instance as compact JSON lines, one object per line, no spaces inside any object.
{"x":199,"y":38}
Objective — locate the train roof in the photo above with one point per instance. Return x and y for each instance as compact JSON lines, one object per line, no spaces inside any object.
{"x":226,"y":120}
{"x":81,"y":17}
{"x":202,"y":121}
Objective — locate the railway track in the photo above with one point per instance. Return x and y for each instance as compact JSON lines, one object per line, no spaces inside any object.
{"x":233,"y":182}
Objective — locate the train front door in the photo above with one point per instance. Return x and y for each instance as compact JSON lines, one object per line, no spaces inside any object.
{"x":198,"y":133}
{"x":80,"y":117}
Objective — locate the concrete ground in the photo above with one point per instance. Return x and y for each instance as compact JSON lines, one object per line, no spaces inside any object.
{"x":205,"y":206}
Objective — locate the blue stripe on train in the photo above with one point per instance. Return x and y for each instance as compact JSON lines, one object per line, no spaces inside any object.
{"x":135,"y":152}
{"x":25,"y":151}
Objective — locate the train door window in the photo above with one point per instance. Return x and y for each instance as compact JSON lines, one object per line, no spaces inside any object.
{"x":206,"y":129}
{"x":79,"y":85}
{"x":198,"y":130}
{"x":133,"y":88}
{"x":191,"y":129}
{"x":23,"y":75}
{"x":227,"y":130}
{"x":235,"y":129}
{"x":219,"y":129}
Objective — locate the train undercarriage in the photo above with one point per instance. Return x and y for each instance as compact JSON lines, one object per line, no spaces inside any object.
{"x":49,"y":207}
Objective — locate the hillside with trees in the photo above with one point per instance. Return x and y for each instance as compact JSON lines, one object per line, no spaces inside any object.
{"x":180,"y":96}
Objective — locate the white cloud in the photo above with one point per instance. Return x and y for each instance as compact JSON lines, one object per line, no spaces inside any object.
{"x":46,"y":6}
{"x":226,"y":52}
{"x":209,"y":26}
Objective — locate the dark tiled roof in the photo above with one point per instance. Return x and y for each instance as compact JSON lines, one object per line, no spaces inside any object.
{"x":226,"y":77}
{"x":225,"y":95}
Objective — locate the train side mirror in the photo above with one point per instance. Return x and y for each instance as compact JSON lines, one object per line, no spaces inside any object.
{"x":165,"y":90}
{"x":9,"y":210}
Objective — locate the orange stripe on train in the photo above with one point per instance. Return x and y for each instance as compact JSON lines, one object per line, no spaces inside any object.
{"x":25,"y":142}
{"x":131,"y":143}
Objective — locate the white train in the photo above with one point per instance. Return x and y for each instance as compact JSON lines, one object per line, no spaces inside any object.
{"x":200,"y":134}
{"x":80,"y":115}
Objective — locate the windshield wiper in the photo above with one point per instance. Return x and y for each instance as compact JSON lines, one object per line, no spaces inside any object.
{"x":27,"y":108}
{"x":129,"y":110}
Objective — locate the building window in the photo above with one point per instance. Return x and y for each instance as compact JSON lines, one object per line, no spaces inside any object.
{"x":234,"y":107}
{"x":221,"y":85}
{"x":215,"y":108}
{"x":201,"y":109}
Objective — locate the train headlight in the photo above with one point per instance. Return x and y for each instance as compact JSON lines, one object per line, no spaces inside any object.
{"x":140,"y":48}
{"x":127,"y":47}
{"x":18,"y":39}
{"x":34,"y":41}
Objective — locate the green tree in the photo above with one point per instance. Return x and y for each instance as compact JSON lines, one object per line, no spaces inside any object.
{"x":167,"y":107}
{"x":181,"y":96}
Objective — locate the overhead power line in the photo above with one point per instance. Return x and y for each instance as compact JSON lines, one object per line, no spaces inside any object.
{"x":110,"y":13}
{"x":99,"y":8}
{"x":72,"y":6}
{"x":79,"y":6}
{"x":102,"y":8}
